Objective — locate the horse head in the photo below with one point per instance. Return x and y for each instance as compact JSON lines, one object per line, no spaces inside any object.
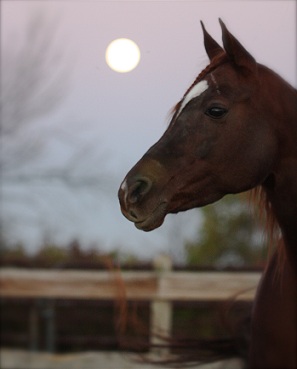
{"x":220,"y":140}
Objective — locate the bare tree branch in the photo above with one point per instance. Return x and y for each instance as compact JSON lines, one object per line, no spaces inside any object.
{"x":34,"y":82}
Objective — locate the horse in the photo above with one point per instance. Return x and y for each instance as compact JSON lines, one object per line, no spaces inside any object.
{"x":234,"y":130}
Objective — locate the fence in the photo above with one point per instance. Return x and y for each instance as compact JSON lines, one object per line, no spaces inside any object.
{"x":160,"y":288}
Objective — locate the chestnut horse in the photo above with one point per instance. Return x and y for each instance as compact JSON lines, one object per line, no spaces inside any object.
{"x":235,"y":129}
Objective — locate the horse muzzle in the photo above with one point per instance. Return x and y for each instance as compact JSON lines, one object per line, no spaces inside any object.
{"x":139,"y":203}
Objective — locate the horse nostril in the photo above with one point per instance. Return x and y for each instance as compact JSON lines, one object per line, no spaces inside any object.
{"x":133,"y":215}
{"x":139,"y":189}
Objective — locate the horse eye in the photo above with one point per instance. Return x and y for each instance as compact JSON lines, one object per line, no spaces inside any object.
{"x":216,"y":112}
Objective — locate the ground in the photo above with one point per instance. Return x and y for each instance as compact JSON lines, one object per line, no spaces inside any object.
{"x":18,"y":359}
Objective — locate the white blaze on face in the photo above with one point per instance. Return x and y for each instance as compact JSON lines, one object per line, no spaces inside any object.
{"x":195,"y":91}
{"x":124,"y":188}
{"x":124,"y":185}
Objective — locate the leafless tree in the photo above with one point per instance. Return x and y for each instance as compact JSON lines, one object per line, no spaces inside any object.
{"x":34,"y":82}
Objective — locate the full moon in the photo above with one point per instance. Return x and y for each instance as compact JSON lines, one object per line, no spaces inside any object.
{"x":122,"y":55}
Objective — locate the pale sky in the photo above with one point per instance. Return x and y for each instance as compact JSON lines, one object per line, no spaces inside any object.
{"x":119,"y":116}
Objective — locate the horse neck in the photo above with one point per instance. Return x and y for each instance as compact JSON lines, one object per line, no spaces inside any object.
{"x":281,"y":185}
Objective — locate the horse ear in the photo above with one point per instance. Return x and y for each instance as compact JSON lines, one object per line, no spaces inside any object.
{"x":211,"y":46}
{"x":236,"y":52}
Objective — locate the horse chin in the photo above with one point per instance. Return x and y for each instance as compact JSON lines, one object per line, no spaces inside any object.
{"x":154,"y":220}
{"x":194,"y":203}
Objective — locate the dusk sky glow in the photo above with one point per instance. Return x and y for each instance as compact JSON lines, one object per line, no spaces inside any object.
{"x":107,"y":120}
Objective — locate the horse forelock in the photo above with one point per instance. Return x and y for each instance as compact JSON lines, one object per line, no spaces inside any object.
{"x":215,"y":63}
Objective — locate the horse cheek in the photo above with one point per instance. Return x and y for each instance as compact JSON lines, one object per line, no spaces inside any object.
{"x":263,"y":153}
{"x":203,"y":149}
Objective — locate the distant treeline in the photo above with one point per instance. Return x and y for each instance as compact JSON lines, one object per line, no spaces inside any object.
{"x":73,"y":255}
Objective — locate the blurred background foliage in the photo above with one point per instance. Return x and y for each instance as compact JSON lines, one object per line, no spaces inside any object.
{"x":230,"y":234}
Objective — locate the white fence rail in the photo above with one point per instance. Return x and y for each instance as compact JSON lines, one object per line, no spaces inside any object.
{"x":155,"y":285}
{"x":160,"y":288}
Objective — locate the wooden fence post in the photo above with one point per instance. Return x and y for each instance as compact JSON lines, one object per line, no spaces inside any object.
{"x":161,"y":310}
{"x":42,"y":309}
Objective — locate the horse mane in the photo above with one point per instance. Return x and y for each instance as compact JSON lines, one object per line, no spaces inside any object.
{"x":272,"y":233}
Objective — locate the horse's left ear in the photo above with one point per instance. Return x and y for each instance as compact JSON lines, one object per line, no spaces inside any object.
{"x":236,"y":52}
{"x":212,"y":48}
